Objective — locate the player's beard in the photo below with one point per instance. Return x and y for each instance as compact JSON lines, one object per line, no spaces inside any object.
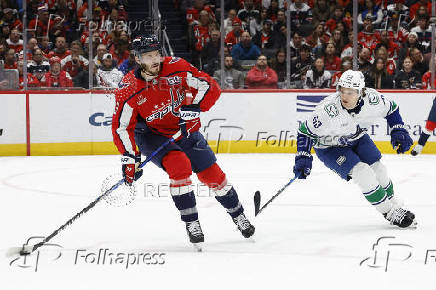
{"x":150,"y":71}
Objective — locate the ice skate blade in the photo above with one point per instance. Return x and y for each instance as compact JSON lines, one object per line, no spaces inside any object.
{"x":198,"y":247}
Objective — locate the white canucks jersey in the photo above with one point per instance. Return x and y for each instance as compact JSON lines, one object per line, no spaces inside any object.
{"x":332,"y":125}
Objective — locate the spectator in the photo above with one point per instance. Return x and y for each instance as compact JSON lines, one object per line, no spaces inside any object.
{"x":266,"y":37}
{"x":321,"y":12}
{"x":331,"y":61}
{"x":371,"y":12}
{"x":391,"y":47}
{"x":423,"y":31}
{"x":249,"y":12}
{"x":257,"y":23}
{"x":317,"y":77}
{"x":56,"y":77}
{"x":338,"y":17}
{"x":367,"y":37}
{"x":40,"y":25}
{"x":199,"y":37}
{"x":38,"y":61}
{"x":278,"y":64}
{"x":233,"y":79}
{"x":261,"y":76}
{"x":419,"y":63}
{"x":397,"y":32}
{"x":74,"y":62}
{"x":32,"y":43}
{"x":426,"y":78}
{"x":412,"y":42}
{"x":364,"y":60}
{"x":129,"y":64}
{"x":397,"y":8}
{"x":246,"y":49}
{"x":10,"y":59}
{"x":212,"y":48}
{"x":32,"y":81}
{"x":233,"y":37}
{"x":82,"y":78}
{"x":229,"y":20}
{"x":296,"y":42}
{"x":273,"y":10}
{"x":3,"y":49}
{"x":101,"y":50}
{"x":14,"y":41}
{"x":193,"y":14}
{"x":348,"y":48}
{"x":300,"y":14}
{"x":120,"y":48}
{"x":45,"y":45}
{"x":346,"y":64}
{"x":414,"y":8}
{"x":377,"y":77}
{"x":407,"y":78}
{"x":39,"y":73}
{"x":318,"y":37}
{"x":338,"y":41}
{"x":280,"y":21}
{"x":9,"y":17}
{"x":5,"y":30}
{"x":61,"y":50}
{"x":300,"y":65}
{"x":389,"y":63}
{"x":107,"y":74}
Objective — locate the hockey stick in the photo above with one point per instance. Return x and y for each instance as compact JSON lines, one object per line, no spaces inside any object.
{"x":28,"y":249}
{"x":257,"y":208}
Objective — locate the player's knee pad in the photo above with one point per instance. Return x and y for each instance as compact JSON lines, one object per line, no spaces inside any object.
{"x":363,"y":175}
{"x":178,"y":167}
{"x":381,"y":173}
{"x":215,"y":179}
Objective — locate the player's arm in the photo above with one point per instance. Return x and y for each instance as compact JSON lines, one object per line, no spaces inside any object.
{"x":123,"y":125}
{"x":400,"y":138}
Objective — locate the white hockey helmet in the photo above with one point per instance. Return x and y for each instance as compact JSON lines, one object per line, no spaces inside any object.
{"x":352,"y":79}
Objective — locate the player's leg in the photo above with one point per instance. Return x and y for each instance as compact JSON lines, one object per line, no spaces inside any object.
{"x":387,"y":203}
{"x":178,"y":167}
{"x":430,"y":126}
{"x":203,"y":162}
{"x":348,"y":165}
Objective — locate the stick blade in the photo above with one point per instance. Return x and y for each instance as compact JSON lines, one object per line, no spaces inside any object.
{"x":256,"y":203}
{"x":18,"y":251}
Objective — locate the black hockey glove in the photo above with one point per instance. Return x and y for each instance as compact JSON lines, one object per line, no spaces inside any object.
{"x":400,"y":139}
{"x":189,"y":119}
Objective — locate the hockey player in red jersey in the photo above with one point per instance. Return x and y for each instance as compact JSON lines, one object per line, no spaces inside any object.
{"x":430,"y":127}
{"x":151,"y":106}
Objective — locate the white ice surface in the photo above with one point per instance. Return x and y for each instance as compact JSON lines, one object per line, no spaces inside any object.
{"x":313,"y":236}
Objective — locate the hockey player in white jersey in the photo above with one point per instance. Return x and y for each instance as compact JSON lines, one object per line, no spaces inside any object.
{"x":337,"y":131}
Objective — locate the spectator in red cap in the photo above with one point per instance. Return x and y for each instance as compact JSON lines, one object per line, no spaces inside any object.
{"x":414,"y":8}
{"x":193,"y":13}
{"x":234,"y":36}
{"x":56,"y":77}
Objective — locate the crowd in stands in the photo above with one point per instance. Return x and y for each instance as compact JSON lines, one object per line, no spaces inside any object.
{"x":394,"y":42}
{"x":57,"y":48}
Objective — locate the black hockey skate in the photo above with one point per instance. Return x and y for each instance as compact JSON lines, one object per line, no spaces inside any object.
{"x":194,"y":231}
{"x":244,"y":225}
{"x":401,"y":217}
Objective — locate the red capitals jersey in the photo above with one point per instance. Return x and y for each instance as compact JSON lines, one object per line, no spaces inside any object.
{"x":158,"y":102}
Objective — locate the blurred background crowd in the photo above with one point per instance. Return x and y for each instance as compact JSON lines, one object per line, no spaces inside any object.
{"x":66,"y":44}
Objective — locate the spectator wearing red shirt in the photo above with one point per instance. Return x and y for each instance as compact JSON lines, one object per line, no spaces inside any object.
{"x":346,"y":64}
{"x":61,"y":50}
{"x":11,"y":20}
{"x":201,"y":31}
{"x":41,"y":24}
{"x":338,"y":16}
{"x":10,"y":59}
{"x":14,"y":41}
{"x":392,"y":47}
{"x":367,"y":37}
{"x":75,"y":62}
{"x":389,"y":63}
{"x":56,"y":77}
{"x":261,"y":76}
{"x":193,"y":13}
{"x":318,"y":36}
{"x":120,"y":48}
{"x":234,"y":36}
{"x":414,"y":8}
{"x":45,"y":45}
{"x":331,"y":61}
{"x":397,"y":33}
{"x":32,"y":81}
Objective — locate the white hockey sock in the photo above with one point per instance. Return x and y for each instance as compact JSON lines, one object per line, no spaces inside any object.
{"x":363,"y":175}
